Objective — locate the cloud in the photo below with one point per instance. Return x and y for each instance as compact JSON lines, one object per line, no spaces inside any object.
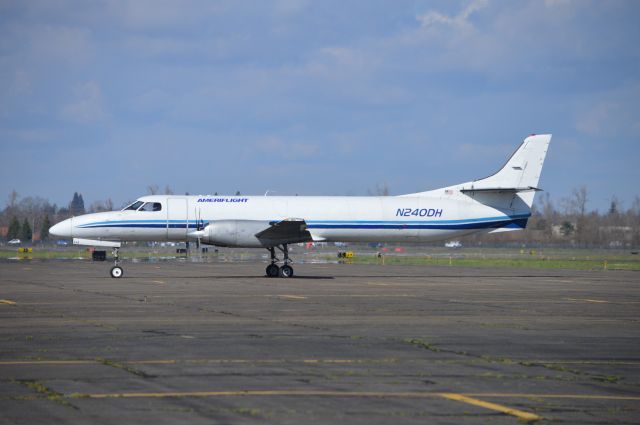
{"x":354,"y":85}
{"x":162,"y":14}
{"x":289,"y":8}
{"x":595,"y":119}
{"x":88,"y":107}
{"x":612,"y":113}
{"x":460,"y":20}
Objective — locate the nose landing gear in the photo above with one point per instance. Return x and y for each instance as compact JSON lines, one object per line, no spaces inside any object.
{"x":273,"y":270}
{"x":116,"y":271}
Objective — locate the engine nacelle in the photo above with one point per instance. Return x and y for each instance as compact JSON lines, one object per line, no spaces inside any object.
{"x":234,"y":233}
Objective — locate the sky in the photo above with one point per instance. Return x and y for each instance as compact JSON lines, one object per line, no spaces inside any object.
{"x":106,"y":98}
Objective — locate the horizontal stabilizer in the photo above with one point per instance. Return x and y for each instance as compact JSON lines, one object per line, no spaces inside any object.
{"x":500,"y":189}
{"x":505,"y":229}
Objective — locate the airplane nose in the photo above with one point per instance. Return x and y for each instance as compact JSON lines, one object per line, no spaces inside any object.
{"x":62,"y":229}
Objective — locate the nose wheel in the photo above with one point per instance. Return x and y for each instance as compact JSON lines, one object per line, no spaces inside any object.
{"x":273,"y":270}
{"x":116,"y":271}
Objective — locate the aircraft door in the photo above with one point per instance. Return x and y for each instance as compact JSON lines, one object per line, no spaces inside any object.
{"x":177,"y":219}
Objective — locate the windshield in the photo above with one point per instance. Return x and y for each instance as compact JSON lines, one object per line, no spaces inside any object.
{"x":151,"y":206}
{"x":134,"y":206}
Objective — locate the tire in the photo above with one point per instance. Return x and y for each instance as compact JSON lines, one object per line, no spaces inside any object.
{"x":116,"y":272}
{"x":286,"y":271}
{"x":273,"y":270}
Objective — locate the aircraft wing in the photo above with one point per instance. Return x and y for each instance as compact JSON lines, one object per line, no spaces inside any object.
{"x":290,"y":230}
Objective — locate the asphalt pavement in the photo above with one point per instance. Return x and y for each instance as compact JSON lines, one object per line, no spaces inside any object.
{"x":174,"y":342}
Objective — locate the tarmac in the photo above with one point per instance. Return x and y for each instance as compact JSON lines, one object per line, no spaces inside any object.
{"x":204,"y":343}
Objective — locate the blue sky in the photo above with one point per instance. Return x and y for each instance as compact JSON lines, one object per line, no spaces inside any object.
{"x":314,"y":97}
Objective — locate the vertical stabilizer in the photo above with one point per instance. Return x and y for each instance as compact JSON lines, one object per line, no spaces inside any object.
{"x":523,"y":169}
{"x":513,"y":186}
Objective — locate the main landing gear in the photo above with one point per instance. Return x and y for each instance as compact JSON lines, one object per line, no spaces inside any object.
{"x":273,"y":270}
{"x":116,"y":270}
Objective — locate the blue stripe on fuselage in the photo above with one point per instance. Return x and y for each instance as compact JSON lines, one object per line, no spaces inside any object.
{"x":515,"y":221}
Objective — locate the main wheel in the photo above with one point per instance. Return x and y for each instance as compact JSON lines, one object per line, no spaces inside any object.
{"x":286,"y":271}
{"x":273,"y":270}
{"x":116,"y":272}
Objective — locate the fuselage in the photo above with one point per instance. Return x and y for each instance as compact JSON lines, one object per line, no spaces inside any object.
{"x":407,"y":218}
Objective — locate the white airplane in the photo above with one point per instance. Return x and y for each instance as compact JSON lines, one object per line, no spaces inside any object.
{"x":498,"y":203}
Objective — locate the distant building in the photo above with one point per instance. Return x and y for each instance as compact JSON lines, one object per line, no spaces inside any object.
{"x":3,"y":231}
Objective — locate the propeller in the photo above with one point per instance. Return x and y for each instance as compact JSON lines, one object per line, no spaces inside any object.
{"x":199,"y":225}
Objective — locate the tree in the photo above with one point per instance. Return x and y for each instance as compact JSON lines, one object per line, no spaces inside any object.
{"x":614,"y":207}
{"x":579,"y":201}
{"x":237,"y":193}
{"x":25,"y":232}
{"x":153,"y":189}
{"x":44,"y":229}
{"x":14,"y":228}
{"x":577,"y":206}
{"x":382,"y":189}
{"x":76,"y":207}
{"x":13,"y":199}
{"x":168,"y":190}
{"x":567,"y":228}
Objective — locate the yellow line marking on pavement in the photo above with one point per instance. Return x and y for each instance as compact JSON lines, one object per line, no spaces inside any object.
{"x":523,"y":416}
{"x":468,"y":398}
{"x":242,"y":393}
{"x":202,"y":361}
{"x":587,"y":300}
{"x":46,"y":362}
{"x":293,"y":297}
{"x":303,"y":361}
{"x":8,"y":302}
{"x":586,"y":362}
{"x":361,"y":295}
{"x":558,"y":396}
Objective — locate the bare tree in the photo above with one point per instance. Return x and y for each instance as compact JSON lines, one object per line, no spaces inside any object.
{"x":168,"y":190}
{"x":381,"y":189}
{"x":153,"y":189}
{"x":13,"y":199}
{"x":633,"y":218}
{"x":579,"y":201}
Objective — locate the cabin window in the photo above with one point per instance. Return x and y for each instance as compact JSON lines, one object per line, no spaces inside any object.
{"x":151,"y":206}
{"x":134,"y":206}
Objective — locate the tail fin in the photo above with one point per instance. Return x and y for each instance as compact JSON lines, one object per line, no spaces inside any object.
{"x":518,"y":178}
{"x":522,"y":170}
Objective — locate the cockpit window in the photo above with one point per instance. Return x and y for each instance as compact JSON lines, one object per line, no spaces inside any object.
{"x":151,"y":206}
{"x":134,"y":206}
